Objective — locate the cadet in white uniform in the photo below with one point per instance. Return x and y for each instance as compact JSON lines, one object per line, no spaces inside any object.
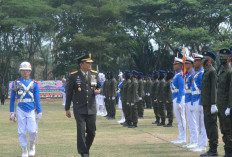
{"x":28,"y":111}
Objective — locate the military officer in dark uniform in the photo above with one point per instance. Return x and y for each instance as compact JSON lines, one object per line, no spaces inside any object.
{"x":224,"y":101}
{"x":147,"y":89}
{"x":112,"y":92}
{"x":168,"y":98}
{"x":161,"y":98}
{"x":154,"y":92}
{"x":106,"y":94}
{"x":123,"y":90}
{"x":208,"y":101}
{"x":82,"y":86}
{"x":141,"y":95}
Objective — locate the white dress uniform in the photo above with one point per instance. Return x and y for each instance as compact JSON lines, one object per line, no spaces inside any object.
{"x":196,"y":99}
{"x":177,"y":88}
{"x":27,"y":94}
{"x":190,"y":111}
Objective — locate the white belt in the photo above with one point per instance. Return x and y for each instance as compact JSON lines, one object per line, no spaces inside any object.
{"x":175,"y":90}
{"x":188,"y":91}
{"x":26,"y":100}
{"x":196,"y":92}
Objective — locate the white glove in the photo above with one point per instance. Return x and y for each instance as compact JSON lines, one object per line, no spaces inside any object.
{"x":155,"y":100}
{"x":127,"y":103}
{"x":12,"y":116}
{"x":104,"y":97}
{"x":214,"y":109}
{"x":140,"y":98}
{"x":113,"y":98}
{"x":227,"y":112}
{"x":38,"y":116}
{"x":145,"y":93}
{"x":167,"y":101}
{"x":132,"y":104}
{"x":178,"y":106}
{"x":148,"y":94}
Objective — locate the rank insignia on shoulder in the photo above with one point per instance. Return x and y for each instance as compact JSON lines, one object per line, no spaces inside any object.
{"x":93,"y":71}
{"x":35,"y":81}
{"x":74,"y":72}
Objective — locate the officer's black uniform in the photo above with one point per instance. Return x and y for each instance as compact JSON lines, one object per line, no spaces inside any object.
{"x":80,"y":90}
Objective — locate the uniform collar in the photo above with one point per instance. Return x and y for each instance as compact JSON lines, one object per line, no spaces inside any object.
{"x":21,"y":79}
{"x":84,"y":73}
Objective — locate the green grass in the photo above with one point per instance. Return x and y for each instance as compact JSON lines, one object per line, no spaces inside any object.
{"x":57,"y":137}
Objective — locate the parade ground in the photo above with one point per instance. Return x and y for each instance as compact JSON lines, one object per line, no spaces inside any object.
{"x":57,"y":136}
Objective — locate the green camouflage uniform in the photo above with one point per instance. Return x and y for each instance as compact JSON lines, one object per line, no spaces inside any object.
{"x":208,"y":98}
{"x":224,"y":101}
{"x":154,"y":92}
{"x":168,"y":100}
{"x":147,"y":90}
{"x":161,"y":100}
{"x":106,"y":94}
{"x":112,"y":97}
{"x":141,"y":97}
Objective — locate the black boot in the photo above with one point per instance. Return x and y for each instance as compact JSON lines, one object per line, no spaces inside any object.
{"x":157,"y":121}
{"x":127,"y":124}
{"x":169,"y":124}
{"x":161,"y":124}
{"x":133,"y":126}
{"x":211,"y":152}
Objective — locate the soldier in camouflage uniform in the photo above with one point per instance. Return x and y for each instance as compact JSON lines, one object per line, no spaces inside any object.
{"x":161,"y":98}
{"x":133,"y":100}
{"x":208,"y":100}
{"x":154,"y":92}
{"x":147,"y":90}
{"x":141,"y":95}
{"x":224,"y":100}
{"x":168,"y":98}
{"x":112,"y":91}
{"x":106,"y":94}
{"x":3,"y":93}
{"x":124,"y":97}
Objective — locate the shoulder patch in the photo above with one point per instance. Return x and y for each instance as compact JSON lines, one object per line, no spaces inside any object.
{"x":200,"y":72}
{"x":74,"y":72}
{"x":93,"y":71}
{"x":192,"y":73}
{"x":35,"y":81}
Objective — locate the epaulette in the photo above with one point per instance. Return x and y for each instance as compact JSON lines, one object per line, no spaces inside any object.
{"x":181,"y":73}
{"x":35,"y":81}
{"x":74,"y":72}
{"x":93,"y":71}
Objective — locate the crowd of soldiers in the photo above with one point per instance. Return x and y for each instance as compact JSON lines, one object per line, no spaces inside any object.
{"x":195,"y":91}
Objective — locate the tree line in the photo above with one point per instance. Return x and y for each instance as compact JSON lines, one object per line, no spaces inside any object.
{"x":132,"y":34}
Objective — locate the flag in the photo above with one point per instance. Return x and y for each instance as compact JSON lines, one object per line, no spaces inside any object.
{"x":184,"y":59}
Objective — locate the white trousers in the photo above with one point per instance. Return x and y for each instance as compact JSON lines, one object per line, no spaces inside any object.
{"x":180,"y":118}
{"x":191,"y":121}
{"x":202,"y":141}
{"x":26,"y":122}
{"x":64,"y":97}
{"x":119,"y":103}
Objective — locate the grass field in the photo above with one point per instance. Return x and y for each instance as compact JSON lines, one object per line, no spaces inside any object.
{"x":57,"y":137}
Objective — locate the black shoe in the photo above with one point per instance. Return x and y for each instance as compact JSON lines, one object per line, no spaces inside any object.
{"x":210,"y":153}
{"x":126,"y":125}
{"x":156,"y":122}
{"x":140,"y":117}
{"x":161,"y":124}
{"x":133,"y":126}
{"x":168,"y":125}
{"x":84,"y":155}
